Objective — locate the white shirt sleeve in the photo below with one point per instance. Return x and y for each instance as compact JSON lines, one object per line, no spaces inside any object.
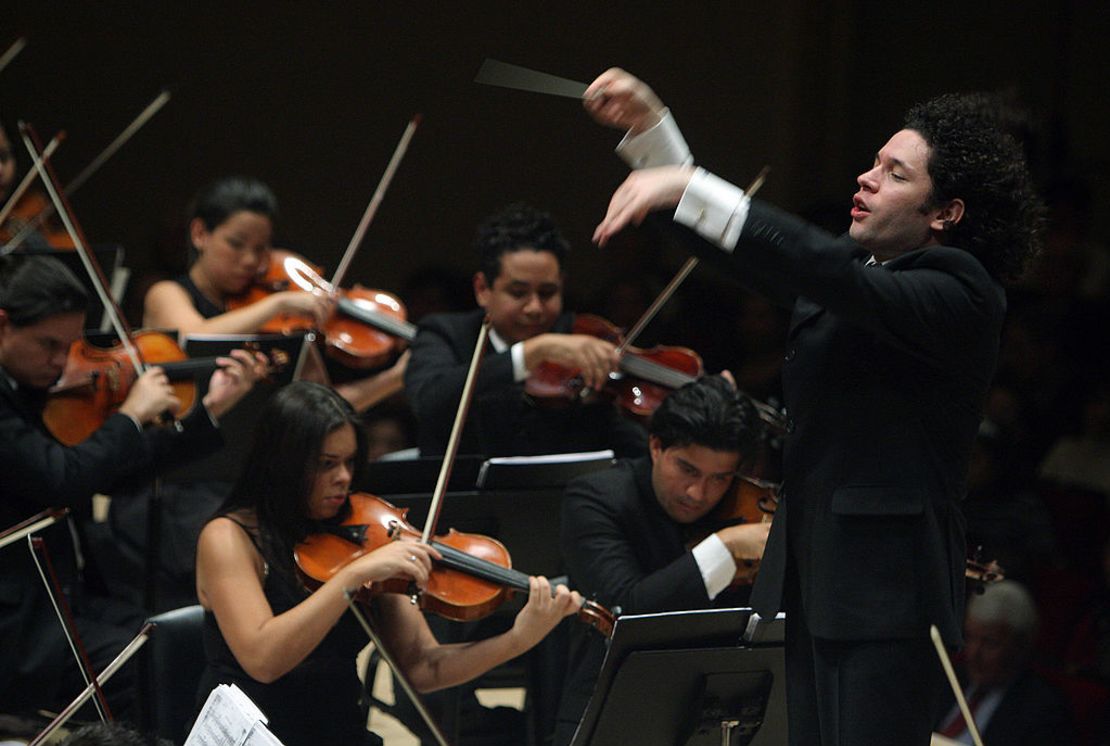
{"x":710,"y":205}
{"x":714,"y":208}
{"x":716,"y":564}
{"x":662,"y":145}
{"x":516,"y":352}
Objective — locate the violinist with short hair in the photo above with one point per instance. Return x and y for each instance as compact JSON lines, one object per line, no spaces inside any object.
{"x":42,"y":313}
{"x":629,"y":535}
{"x":519,"y":286}
{"x":291,"y":650}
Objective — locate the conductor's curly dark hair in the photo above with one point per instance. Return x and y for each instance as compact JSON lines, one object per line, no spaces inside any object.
{"x":518,"y":226}
{"x":975,"y":159}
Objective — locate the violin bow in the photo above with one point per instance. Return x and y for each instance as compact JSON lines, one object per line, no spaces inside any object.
{"x":10,"y":53}
{"x":767,"y":413}
{"x":96,"y":274}
{"x":680,"y":276}
{"x":113,"y":147}
{"x":950,"y":673}
{"x":372,"y":208}
{"x":125,"y":655}
{"x":18,"y":192}
{"x":456,"y":433}
{"x":37,"y":546}
{"x":414,"y":696}
{"x":37,"y":522}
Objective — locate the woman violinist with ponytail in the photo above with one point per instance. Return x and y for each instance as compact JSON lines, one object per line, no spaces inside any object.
{"x":293,"y":651}
{"x":230,"y":230}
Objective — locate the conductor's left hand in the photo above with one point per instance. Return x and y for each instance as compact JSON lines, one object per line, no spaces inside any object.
{"x":642,"y":192}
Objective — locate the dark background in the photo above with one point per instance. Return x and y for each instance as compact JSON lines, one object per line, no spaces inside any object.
{"x":312,"y":98}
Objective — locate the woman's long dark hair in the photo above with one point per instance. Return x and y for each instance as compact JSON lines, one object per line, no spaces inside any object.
{"x":282,"y":463}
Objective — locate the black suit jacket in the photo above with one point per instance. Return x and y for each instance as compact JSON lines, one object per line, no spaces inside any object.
{"x":37,"y":472}
{"x":621,"y":549}
{"x":502,"y":420}
{"x":885,"y":374}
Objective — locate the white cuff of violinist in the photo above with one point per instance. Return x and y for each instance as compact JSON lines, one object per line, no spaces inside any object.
{"x":516,"y":354}
{"x":716,"y":564}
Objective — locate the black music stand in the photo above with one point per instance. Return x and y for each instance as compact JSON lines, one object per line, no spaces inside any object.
{"x":688,"y":677}
{"x":552,"y":470}
{"x":238,"y":424}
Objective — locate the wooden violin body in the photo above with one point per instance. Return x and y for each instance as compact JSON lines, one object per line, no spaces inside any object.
{"x":473,"y":579}
{"x":366,"y":330}
{"x":97,"y":380}
{"x":27,"y":209}
{"x":646,"y":376}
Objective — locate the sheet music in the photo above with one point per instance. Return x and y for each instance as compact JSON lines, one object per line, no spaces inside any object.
{"x":230,"y":718}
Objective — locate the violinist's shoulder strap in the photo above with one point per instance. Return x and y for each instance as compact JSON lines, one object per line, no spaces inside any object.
{"x":252,"y":533}
{"x":250,"y":530}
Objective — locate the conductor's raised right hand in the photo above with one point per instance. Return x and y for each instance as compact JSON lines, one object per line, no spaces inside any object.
{"x":594,"y":357}
{"x":150,"y":396}
{"x":621,"y":100}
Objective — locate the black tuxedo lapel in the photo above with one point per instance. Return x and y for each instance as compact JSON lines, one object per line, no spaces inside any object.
{"x":805,"y":311}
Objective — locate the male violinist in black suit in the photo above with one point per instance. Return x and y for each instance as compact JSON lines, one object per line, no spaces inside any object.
{"x":42,"y":313}
{"x":634,"y":536}
{"x":892,"y":346}
{"x":520,"y":287}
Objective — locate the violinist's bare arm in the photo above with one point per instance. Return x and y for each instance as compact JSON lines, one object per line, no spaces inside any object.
{"x":168,"y":306}
{"x":229,"y":583}
{"x":595,"y":357}
{"x":430,"y":665}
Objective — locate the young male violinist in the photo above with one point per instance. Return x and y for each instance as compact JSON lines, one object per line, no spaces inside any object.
{"x":42,"y":313}
{"x":519,"y":286}
{"x":630,"y":535}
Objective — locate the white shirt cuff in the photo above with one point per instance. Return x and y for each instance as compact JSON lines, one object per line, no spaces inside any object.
{"x":516,"y":352}
{"x":716,"y":564}
{"x":662,"y":145}
{"x":714,"y":208}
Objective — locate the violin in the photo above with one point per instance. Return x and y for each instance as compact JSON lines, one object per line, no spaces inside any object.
{"x":97,"y":380}
{"x":27,"y":210}
{"x":749,"y":500}
{"x":474,"y":577}
{"x":367,"y":328}
{"x":646,"y":376}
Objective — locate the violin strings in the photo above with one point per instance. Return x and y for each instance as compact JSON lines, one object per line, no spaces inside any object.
{"x":480,"y":568}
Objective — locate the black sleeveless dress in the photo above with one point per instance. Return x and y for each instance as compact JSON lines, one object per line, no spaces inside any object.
{"x":204,"y":306}
{"x":316,"y":702}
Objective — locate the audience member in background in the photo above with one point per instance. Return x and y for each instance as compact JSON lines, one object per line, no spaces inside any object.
{"x":1010,"y":703}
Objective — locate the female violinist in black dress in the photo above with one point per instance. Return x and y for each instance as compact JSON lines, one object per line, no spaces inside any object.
{"x":293,"y":651}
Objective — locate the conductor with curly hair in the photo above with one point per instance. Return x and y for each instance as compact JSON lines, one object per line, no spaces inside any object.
{"x":891,"y":349}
